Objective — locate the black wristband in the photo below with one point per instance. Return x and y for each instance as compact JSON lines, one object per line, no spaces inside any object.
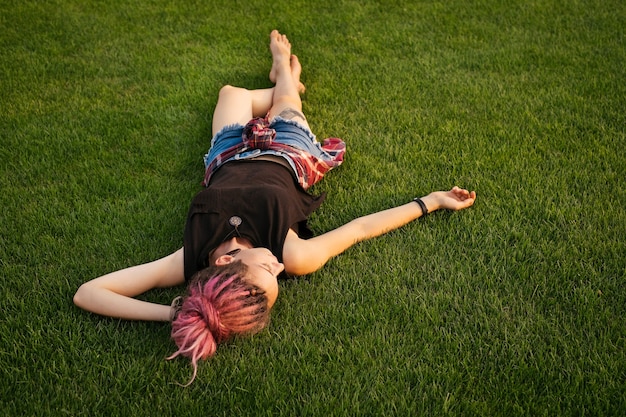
{"x":422,"y":205}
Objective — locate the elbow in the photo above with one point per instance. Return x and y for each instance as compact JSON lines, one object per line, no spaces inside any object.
{"x":80,"y":296}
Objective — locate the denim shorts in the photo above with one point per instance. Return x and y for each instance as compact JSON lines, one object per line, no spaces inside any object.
{"x":288,"y":132}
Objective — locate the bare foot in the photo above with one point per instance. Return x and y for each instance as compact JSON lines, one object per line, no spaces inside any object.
{"x":281,"y":53}
{"x":281,"y":48}
{"x":296,"y":69}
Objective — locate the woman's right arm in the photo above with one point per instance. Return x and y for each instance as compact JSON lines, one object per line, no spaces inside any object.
{"x":112,"y":294}
{"x":303,"y":256}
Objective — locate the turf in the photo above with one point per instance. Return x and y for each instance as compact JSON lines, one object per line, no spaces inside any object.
{"x":513,"y":307}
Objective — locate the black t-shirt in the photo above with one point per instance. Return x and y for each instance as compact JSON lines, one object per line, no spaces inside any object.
{"x":257,"y":200}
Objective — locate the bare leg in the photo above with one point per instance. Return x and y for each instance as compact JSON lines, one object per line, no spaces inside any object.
{"x":296,"y":69}
{"x":286,"y":69}
{"x":239,"y":105}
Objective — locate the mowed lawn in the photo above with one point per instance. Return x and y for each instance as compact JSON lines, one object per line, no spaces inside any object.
{"x":514,"y":307}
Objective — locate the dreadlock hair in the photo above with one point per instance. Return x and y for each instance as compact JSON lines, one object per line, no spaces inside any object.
{"x":219,"y":304}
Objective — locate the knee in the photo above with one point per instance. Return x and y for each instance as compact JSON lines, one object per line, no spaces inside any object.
{"x":229,"y":90}
{"x":226,"y":89}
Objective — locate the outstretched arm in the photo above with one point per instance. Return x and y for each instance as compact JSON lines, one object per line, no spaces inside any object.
{"x":111,"y":294}
{"x":305,"y":256}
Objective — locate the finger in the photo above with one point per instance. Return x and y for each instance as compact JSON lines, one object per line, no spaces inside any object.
{"x":460,"y":192}
{"x":464,"y":192}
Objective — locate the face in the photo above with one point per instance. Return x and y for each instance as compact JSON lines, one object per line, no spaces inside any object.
{"x":263,"y":269}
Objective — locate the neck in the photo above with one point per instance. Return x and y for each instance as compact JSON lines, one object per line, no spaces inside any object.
{"x":228,"y":245}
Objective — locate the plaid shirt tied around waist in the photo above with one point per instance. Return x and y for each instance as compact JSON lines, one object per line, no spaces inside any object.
{"x":258,"y":134}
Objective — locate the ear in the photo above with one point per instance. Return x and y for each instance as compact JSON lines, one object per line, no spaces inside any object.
{"x":224,"y":260}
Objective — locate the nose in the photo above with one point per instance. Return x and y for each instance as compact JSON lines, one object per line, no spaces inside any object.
{"x":278,"y":267}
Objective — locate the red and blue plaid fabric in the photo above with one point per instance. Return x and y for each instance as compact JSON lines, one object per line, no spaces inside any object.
{"x":309,"y":168}
{"x":258,"y":135}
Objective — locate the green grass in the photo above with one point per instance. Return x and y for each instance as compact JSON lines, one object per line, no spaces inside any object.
{"x":514,"y":307}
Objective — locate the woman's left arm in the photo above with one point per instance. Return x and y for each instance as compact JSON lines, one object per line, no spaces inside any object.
{"x":305,"y":256}
{"x":112,"y":294}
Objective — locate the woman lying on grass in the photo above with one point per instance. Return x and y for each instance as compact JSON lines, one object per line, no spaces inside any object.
{"x":248,"y":226}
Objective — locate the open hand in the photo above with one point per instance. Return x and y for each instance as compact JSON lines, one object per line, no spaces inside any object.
{"x":455,"y":199}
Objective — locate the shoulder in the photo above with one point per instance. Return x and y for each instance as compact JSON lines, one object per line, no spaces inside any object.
{"x":292,"y":253}
{"x":300,"y":256}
